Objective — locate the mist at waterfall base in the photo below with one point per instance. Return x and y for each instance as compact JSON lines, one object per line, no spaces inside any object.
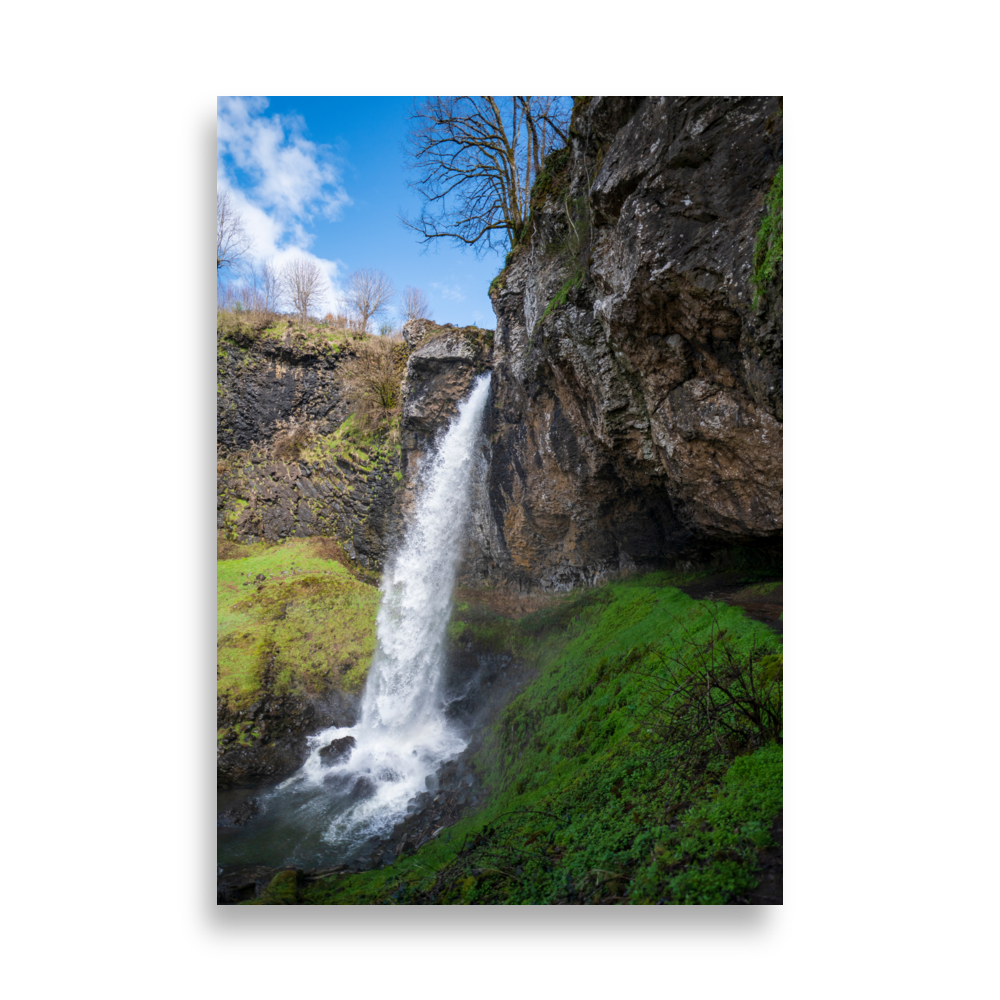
{"x":331,"y":812}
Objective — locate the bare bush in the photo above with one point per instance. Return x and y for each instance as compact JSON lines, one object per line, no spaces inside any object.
{"x":369,"y":291}
{"x":709,"y":702}
{"x":232,"y":241}
{"x":304,"y":285}
{"x":291,"y":437}
{"x":415,"y":304}
{"x":373,"y":379}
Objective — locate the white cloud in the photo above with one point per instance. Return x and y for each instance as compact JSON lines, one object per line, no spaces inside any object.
{"x":287,"y":180}
{"x":451,"y":292}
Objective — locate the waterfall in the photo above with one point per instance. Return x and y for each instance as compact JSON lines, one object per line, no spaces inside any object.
{"x":403,"y":735}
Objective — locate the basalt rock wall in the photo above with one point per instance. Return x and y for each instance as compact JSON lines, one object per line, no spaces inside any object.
{"x":637,"y":389}
{"x":265,"y":381}
{"x":348,"y":493}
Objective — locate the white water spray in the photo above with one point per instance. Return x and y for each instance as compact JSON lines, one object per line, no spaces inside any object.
{"x":403,"y":734}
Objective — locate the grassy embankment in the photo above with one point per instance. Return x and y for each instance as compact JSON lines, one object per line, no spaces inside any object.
{"x":307,"y":627}
{"x":244,"y":327}
{"x":609,"y":782}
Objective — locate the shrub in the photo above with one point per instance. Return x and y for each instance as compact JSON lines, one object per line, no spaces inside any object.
{"x":709,"y":702}
{"x":291,"y":437}
{"x":373,"y":379}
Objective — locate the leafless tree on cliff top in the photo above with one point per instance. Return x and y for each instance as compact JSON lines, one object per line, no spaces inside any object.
{"x":475,"y":160}
{"x":415,"y":304}
{"x":261,"y":288}
{"x":369,"y":291}
{"x":232,"y":241}
{"x":304,"y":283}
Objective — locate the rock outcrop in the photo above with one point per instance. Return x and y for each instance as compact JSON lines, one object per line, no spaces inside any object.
{"x":266,"y":500}
{"x":637,"y":394}
{"x":444,"y":362}
{"x":636,"y":411}
{"x":281,"y":726}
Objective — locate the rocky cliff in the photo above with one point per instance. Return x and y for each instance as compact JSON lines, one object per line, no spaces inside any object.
{"x":636,"y":412}
{"x":637,"y":393}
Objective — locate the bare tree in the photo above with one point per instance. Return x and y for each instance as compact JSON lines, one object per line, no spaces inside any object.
{"x":270,"y":285}
{"x":369,"y":291}
{"x":261,"y":288}
{"x":304,"y":284}
{"x":415,"y":304}
{"x":232,"y":241}
{"x":476,"y":159}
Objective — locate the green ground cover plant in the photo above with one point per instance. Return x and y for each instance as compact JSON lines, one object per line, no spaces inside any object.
{"x":599,"y":790}
{"x":291,"y":619}
{"x":352,"y":442}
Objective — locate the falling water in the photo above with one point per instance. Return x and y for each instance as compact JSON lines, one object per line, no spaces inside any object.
{"x":403,"y":734}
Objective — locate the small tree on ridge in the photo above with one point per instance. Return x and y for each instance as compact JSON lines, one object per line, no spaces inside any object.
{"x":232,"y":241}
{"x":415,"y":304}
{"x":304,"y":283}
{"x":369,"y":291}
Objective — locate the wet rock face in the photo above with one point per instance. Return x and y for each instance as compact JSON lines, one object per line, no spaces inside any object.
{"x":337,"y":749}
{"x":241,"y":814}
{"x":637,"y":392}
{"x":440,"y":371}
{"x":280,"y":749}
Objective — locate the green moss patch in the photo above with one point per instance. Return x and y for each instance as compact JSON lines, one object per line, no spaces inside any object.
{"x":307,"y":626}
{"x":768,"y":248}
{"x":351,"y":443}
{"x":282,"y":890}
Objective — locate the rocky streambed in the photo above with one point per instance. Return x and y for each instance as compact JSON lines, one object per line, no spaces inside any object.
{"x":268,"y":740}
{"x":479,"y":684}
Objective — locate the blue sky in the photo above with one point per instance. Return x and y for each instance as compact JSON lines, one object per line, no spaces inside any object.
{"x":326,"y":177}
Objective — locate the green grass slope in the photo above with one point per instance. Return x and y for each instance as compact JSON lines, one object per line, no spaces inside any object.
{"x":307,"y":626}
{"x":612,"y":778}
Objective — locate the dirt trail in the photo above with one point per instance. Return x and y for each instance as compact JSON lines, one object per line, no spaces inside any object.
{"x":761,"y":601}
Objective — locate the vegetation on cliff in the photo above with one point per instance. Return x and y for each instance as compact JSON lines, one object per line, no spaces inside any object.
{"x":373,"y":378}
{"x":768,"y":248}
{"x":606,"y":784}
{"x":241,"y":328}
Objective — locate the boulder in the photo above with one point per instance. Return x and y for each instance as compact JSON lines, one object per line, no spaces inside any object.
{"x":241,"y":814}
{"x":337,"y":749}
